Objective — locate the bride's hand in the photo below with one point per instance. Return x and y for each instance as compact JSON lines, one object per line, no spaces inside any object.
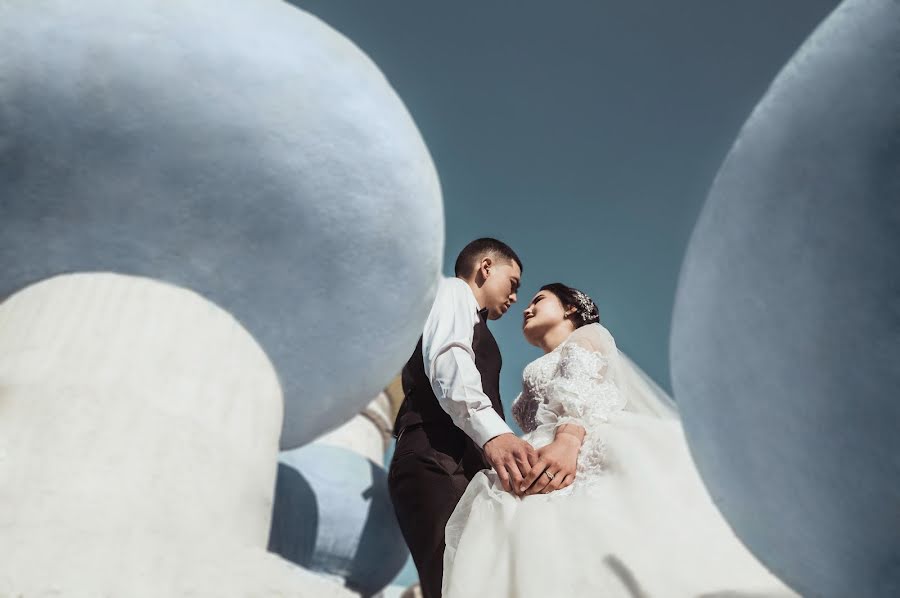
{"x":559,"y":459}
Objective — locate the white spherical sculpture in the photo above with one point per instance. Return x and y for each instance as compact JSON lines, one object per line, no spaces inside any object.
{"x":138,"y":446}
{"x":368,"y":434}
{"x":333,"y":515}
{"x":785,"y":349}
{"x":239,"y":148}
{"x":332,"y":510}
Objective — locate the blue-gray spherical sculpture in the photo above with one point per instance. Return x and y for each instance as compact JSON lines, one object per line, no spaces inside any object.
{"x":333,"y":515}
{"x":239,"y":148}
{"x":786,"y":333}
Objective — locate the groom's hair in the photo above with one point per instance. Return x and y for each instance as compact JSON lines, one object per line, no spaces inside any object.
{"x":473,"y":253}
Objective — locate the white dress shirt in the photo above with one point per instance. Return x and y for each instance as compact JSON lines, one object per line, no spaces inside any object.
{"x":450,"y":362}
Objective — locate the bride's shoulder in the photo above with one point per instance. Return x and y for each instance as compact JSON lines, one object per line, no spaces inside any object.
{"x":593,"y":337}
{"x":538,"y":370}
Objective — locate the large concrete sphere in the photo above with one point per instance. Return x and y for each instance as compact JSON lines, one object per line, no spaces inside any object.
{"x":333,"y":515}
{"x":138,"y":445}
{"x":239,"y":148}
{"x":785,"y":345}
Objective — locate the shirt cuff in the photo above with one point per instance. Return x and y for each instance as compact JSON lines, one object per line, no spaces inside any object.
{"x":484,"y":425}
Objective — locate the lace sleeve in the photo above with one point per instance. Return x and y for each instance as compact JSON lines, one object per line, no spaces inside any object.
{"x":583,"y":390}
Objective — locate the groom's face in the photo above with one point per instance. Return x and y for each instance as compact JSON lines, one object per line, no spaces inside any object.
{"x":500,"y":288}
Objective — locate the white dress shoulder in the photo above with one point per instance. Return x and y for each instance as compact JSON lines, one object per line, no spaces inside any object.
{"x":637,"y":522}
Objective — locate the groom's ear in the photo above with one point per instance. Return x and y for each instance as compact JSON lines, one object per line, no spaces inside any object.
{"x":484,"y":267}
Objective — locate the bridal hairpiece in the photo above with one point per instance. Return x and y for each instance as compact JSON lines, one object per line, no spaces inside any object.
{"x":588,"y":311}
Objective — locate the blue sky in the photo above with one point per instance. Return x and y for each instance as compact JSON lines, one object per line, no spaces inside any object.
{"x":583,"y":133}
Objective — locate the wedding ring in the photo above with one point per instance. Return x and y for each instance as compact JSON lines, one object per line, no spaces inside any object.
{"x":549,"y":475}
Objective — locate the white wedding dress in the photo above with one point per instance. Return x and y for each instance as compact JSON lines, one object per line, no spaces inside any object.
{"x":636,"y":523}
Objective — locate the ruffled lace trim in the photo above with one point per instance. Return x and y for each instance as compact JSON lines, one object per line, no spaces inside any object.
{"x":524,"y":412}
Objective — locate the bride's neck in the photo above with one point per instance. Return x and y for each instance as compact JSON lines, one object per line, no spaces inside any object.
{"x":555,"y":336}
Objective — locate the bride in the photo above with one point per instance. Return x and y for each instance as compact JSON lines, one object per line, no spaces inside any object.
{"x":614,"y":507}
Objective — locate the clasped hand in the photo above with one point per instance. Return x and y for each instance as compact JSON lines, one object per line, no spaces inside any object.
{"x":524,"y":471}
{"x":512,"y":458}
{"x":559,"y":459}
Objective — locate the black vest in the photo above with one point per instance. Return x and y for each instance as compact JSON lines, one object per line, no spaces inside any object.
{"x":420,"y":406}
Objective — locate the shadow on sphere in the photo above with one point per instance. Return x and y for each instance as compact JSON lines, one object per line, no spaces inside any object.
{"x":295,"y":517}
{"x":332,"y":514}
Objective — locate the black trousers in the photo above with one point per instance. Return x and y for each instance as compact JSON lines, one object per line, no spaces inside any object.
{"x":431,"y":468}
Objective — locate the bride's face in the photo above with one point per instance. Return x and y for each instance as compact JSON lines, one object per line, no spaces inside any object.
{"x":544,"y":313}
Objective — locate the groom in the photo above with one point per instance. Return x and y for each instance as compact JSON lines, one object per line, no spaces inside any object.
{"x":451,"y":423}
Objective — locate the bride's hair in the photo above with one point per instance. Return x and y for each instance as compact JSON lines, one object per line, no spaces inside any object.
{"x":587,"y":312}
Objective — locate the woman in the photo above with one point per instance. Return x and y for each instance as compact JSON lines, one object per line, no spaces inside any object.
{"x":614,"y":507}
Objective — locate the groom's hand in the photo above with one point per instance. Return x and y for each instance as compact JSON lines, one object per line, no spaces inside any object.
{"x":556,"y":467}
{"x":512,"y":458}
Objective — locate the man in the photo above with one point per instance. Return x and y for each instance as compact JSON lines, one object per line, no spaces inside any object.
{"x":451,"y":423}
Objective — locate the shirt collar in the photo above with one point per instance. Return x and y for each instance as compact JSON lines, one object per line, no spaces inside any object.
{"x":478,"y":308}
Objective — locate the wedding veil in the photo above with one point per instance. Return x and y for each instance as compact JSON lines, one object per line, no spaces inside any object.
{"x":642,"y":394}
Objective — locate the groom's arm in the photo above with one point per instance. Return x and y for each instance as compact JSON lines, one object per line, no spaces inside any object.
{"x":450,"y":363}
